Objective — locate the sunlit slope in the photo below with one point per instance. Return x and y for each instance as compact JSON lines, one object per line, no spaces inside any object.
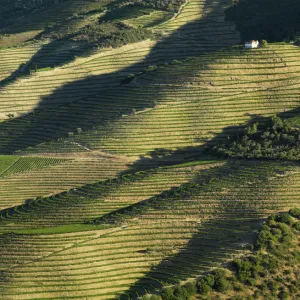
{"x":180,"y":105}
{"x":33,"y":177}
{"x":92,"y":74}
{"x":12,"y":59}
{"x":6,"y":161}
{"x":171,"y":237}
{"x":98,"y":199}
{"x":198,"y":99}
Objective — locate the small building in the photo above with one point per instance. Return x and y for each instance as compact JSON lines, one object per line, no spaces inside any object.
{"x":251,"y":44}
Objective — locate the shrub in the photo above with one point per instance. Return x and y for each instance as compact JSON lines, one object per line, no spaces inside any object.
{"x":180,"y":292}
{"x":283,"y":295}
{"x":296,"y":225}
{"x":155,"y":297}
{"x":275,"y":139}
{"x":210,"y":280}
{"x":221,"y":282}
{"x":284,"y":218}
{"x":151,"y":68}
{"x":203,"y":287}
{"x":276,"y":123}
{"x":111,"y":34}
{"x":206,"y":283}
{"x":273,"y":287}
{"x":244,"y":269}
{"x":295,"y":212}
{"x":167,"y":293}
{"x":191,"y":288}
{"x":222,"y":285}
{"x":264,"y":43}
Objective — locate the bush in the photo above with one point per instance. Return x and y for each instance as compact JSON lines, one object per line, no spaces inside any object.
{"x":180,"y":292}
{"x":191,"y":288}
{"x":155,"y":297}
{"x":203,"y":287}
{"x":167,"y":293}
{"x":283,"y":295}
{"x":151,"y":68}
{"x":296,"y":225}
{"x":243,"y":269}
{"x":221,"y":282}
{"x":222,"y":285}
{"x":263,"y":43}
{"x":274,"y":139}
{"x":284,"y":218}
{"x":295,"y":212}
{"x":79,"y":131}
{"x":112,"y":34}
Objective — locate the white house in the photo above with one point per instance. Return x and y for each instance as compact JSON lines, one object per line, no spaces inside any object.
{"x":251,"y":44}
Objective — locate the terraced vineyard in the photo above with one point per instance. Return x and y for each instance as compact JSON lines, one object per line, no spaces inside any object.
{"x":204,"y":221}
{"x":106,"y":68}
{"x":108,"y":188}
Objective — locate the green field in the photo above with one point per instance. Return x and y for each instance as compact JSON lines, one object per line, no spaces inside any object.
{"x":6,"y":161}
{"x":139,"y":150}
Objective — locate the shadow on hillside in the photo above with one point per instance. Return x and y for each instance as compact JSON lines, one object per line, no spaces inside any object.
{"x":216,"y":242}
{"x":212,"y":243}
{"x":87,"y":95}
{"x":165,"y":157}
{"x":54,"y":54}
{"x":157,"y":158}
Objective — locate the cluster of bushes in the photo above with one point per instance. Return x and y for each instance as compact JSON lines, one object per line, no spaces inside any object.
{"x":276,"y":248}
{"x":275,"y":139}
{"x":112,"y":34}
{"x":273,"y":20}
{"x":266,"y":273}
{"x":217,"y":280}
{"x":181,"y":292}
{"x":171,"y":5}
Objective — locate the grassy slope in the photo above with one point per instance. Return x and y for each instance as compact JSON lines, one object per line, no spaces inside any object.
{"x":24,"y":164}
{"x":6,"y":161}
{"x":158,"y":237}
{"x":69,"y":173}
{"x":106,"y":68}
{"x":195,"y":101}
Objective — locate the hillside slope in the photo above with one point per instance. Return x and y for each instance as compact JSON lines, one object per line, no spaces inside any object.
{"x":153,"y":241}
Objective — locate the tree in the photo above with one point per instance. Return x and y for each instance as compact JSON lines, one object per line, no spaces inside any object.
{"x":222,"y":285}
{"x":203,"y":287}
{"x":295,"y":212}
{"x":191,"y":288}
{"x":221,"y":282}
{"x":264,"y":43}
{"x":284,"y":218}
{"x":167,"y":293}
{"x":276,"y":123}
